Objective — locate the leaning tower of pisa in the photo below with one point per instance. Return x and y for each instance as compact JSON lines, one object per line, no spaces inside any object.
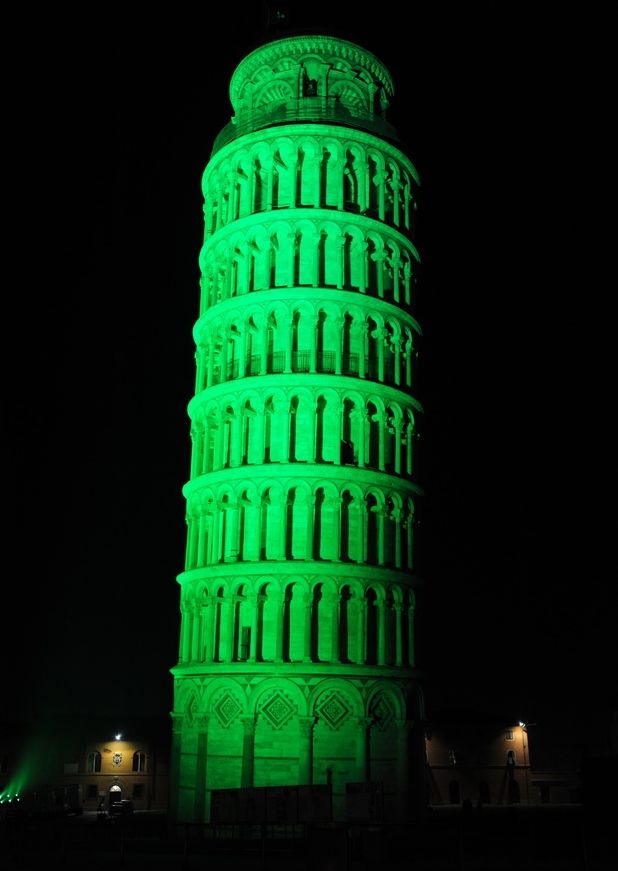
{"x":296,"y":658}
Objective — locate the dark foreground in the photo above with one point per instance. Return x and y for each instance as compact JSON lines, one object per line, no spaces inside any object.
{"x":546,"y":838}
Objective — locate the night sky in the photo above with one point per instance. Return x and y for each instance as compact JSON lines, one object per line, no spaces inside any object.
{"x":109,"y":135}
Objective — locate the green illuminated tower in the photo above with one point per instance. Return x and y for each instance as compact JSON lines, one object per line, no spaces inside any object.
{"x":296,"y":660}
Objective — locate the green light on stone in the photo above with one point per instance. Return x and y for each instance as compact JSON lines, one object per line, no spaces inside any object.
{"x":296,"y":658}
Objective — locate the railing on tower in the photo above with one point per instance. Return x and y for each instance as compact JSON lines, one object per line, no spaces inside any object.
{"x":315,"y":109}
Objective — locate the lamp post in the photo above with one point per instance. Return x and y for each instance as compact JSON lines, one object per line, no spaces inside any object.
{"x":524,"y":732}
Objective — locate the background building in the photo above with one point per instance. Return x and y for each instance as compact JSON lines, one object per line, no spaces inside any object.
{"x":74,"y":765}
{"x":489,"y":760}
{"x":296,"y":662}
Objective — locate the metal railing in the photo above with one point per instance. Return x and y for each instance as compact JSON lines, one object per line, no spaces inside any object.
{"x":316,"y":109}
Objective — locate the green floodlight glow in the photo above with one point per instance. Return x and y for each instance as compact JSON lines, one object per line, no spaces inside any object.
{"x":23,"y":779}
{"x":296,"y":658}
{"x":35,"y":767}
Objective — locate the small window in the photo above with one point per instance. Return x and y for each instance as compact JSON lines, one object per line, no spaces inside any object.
{"x":452,"y":758}
{"x":510,"y":757}
{"x":139,"y":761}
{"x":138,"y":790}
{"x":508,"y":735}
{"x":92,"y":791}
{"x":94,"y":762}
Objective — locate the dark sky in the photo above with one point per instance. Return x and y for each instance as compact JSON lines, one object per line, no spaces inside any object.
{"x":109,"y":134}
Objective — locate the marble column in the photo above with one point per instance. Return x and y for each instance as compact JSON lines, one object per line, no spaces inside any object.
{"x":248,"y":745}
{"x":199,"y":812}
{"x":305,"y":750}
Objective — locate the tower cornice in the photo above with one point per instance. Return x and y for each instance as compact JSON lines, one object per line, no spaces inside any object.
{"x":310,"y":570}
{"x":285,"y":473}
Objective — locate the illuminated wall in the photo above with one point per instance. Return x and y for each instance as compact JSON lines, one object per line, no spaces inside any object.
{"x":296,"y":660}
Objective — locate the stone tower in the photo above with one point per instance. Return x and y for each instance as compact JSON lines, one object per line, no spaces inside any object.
{"x":296,"y":661}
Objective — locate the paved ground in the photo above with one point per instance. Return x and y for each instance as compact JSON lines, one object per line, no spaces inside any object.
{"x":498,"y":839}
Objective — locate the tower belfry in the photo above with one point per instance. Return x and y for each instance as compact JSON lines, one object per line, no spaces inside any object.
{"x":296,"y":661}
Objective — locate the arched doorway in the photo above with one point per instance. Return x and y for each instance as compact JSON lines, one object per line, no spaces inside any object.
{"x":114,"y":796}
